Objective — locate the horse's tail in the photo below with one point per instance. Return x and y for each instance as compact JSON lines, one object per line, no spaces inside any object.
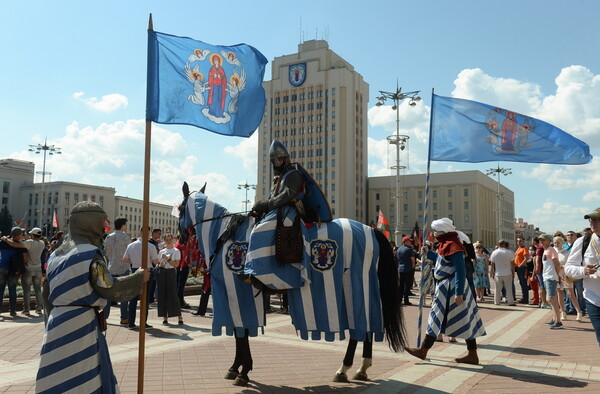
{"x":387,"y":271}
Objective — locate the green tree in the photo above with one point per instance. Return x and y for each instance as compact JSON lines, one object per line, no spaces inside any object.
{"x":6,"y":221}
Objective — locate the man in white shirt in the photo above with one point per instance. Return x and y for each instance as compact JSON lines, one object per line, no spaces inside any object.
{"x":584,"y":265}
{"x":133,"y":256}
{"x":115,"y":245}
{"x":503,"y":271}
{"x":33,"y":271}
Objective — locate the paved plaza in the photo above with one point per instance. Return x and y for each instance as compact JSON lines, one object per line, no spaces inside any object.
{"x":519,"y":354}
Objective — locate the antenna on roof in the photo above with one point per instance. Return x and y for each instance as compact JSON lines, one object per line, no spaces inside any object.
{"x":300,"y":29}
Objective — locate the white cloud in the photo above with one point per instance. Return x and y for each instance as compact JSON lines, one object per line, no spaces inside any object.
{"x":592,"y":197}
{"x":552,"y":216}
{"x":108,"y":103}
{"x":112,"y":155}
{"x":247,"y":150}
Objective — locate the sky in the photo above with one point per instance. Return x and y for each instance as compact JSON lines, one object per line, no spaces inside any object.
{"x":74,"y":74}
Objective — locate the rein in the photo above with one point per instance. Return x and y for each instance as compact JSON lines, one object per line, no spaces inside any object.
{"x":223,"y":216}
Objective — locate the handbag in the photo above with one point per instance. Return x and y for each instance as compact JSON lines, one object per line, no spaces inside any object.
{"x":289,"y":245}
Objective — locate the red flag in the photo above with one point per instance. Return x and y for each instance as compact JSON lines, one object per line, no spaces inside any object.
{"x":55,"y":220}
{"x":384,"y":225}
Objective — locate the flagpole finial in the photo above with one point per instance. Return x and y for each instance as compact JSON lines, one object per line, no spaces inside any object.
{"x":150,"y":25}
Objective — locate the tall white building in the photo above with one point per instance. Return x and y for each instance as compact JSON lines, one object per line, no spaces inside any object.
{"x":469,"y":198}
{"x":317,"y":107}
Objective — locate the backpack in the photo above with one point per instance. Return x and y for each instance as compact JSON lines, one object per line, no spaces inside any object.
{"x":584,"y":245}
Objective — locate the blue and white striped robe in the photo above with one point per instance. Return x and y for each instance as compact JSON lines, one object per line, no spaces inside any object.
{"x":74,"y":355}
{"x":261,"y":262}
{"x":235,"y":304}
{"x":345,"y":295}
{"x":462,"y":321}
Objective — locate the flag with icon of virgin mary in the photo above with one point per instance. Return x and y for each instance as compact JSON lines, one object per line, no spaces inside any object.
{"x":217,"y":88}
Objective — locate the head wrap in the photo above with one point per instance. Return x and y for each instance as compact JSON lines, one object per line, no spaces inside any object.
{"x":444,"y":225}
{"x":451,"y":241}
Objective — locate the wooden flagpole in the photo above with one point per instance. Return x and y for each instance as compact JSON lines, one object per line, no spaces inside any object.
{"x":145,"y":228}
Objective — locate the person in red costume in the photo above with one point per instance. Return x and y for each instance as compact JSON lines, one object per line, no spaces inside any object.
{"x":217,"y":83}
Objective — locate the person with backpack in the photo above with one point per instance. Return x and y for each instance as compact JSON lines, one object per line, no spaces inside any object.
{"x":583,"y":262}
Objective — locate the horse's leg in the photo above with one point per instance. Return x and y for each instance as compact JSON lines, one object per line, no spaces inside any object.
{"x":246,"y":357}
{"x":340,"y":375}
{"x":367,"y":360}
{"x":233,"y":371}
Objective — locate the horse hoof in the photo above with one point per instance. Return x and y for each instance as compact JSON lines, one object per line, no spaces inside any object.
{"x":231,"y":374}
{"x":360,"y":376}
{"x":340,"y":378}
{"x":241,"y":381}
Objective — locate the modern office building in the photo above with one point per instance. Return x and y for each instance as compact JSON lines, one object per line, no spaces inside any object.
{"x":469,"y":198}
{"x":23,"y":199}
{"x":317,"y":106}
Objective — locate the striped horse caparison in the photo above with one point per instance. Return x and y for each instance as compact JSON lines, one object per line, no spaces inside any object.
{"x":348,"y":283}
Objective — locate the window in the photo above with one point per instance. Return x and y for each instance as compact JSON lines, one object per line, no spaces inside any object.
{"x":466,"y":192}
{"x":333,"y":162}
{"x":67,"y":198}
{"x":420,"y":194}
{"x":467,"y":218}
{"x":435,"y":206}
{"x":420,"y":206}
{"x":5,"y":187}
{"x":333,"y":187}
{"x":76,"y":198}
{"x":333,"y":91}
{"x":405,"y":207}
{"x":466,"y":205}
{"x":434,"y":193}
{"x":84,"y":197}
{"x":333,"y":103}
{"x":377,"y":196}
{"x":450,"y":193}
{"x":30,"y":198}
{"x":450,"y":206}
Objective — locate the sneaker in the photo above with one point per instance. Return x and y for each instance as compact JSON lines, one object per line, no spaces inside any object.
{"x":132,"y":326}
{"x":550,"y":323}
{"x":578,"y":317}
{"x":546,"y":306}
{"x":124,"y":321}
{"x":13,"y":314}
{"x":556,"y":326}
{"x":512,"y":304}
{"x":26,"y":313}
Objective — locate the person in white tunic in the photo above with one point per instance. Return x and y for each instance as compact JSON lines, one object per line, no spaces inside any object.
{"x":453,"y":311}
{"x":74,"y":355}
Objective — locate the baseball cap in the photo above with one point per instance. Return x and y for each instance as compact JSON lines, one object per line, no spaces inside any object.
{"x":406,"y":239}
{"x":547,"y":237}
{"x":36,"y":231}
{"x":594,"y":215}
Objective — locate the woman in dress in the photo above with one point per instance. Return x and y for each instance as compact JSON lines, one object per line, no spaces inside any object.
{"x":168,"y":261}
{"x":481,"y":278}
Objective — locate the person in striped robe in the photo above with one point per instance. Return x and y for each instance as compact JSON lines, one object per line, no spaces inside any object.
{"x":453,"y":311}
{"x":74,"y":355}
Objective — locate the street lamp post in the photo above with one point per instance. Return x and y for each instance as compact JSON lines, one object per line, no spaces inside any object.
{"x":401,"y":141}
{"x":246,"y":186}
{"x":50,"y":150}
{"x":499,"y":171}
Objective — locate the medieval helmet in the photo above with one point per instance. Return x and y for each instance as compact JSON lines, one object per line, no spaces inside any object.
{"x":86,"y":223}
{"x":280,"y":157}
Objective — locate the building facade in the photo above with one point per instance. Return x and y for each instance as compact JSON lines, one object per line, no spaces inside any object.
{"x":469,"y":198}
{"x":317,"y":107}
{"x":30,"y":206}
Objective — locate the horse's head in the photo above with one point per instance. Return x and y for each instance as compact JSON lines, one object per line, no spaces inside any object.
{"x":184,"y":219}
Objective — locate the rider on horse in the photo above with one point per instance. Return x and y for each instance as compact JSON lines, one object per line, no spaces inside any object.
{"x":277,"y":240}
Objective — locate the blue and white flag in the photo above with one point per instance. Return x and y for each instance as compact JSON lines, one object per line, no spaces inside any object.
{"x":473,"y":132}
{"x":217,"y":88}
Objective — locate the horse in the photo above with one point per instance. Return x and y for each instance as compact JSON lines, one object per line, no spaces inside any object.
{"x":366,"y":304}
